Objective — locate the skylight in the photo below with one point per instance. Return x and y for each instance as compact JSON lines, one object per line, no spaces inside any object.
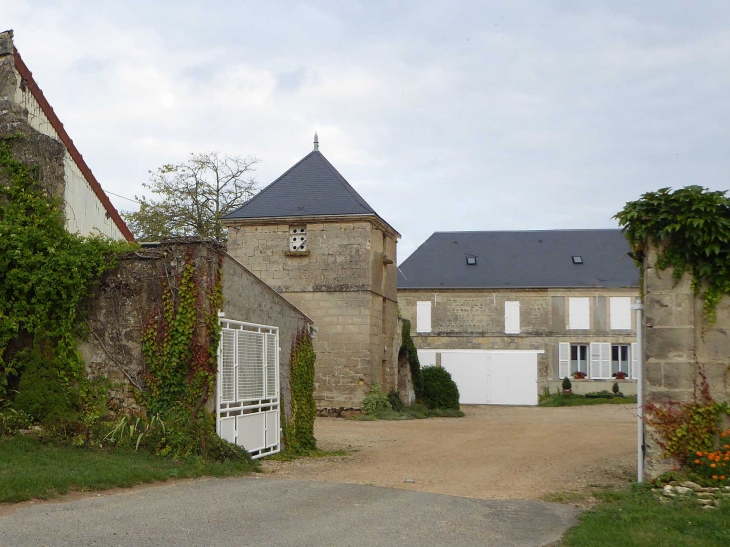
{"x":471,"y":261}
{"x":577,"y":260}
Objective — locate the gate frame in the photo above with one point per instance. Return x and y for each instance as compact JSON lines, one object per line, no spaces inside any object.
{"x":249,"y":406}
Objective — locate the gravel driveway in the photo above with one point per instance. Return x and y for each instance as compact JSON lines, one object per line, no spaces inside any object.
{"x":492,"y":453}
{"x":263,"y":511}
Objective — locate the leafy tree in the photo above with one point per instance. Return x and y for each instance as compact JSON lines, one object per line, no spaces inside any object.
{"x":193,"y":196}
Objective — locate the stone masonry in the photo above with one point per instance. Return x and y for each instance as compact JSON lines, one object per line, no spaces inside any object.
{"x":346,"y":282}
{"x":679,"y":348}
{"x":474,"y":319}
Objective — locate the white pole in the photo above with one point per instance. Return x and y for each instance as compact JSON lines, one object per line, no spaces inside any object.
{"x":639,"y":391}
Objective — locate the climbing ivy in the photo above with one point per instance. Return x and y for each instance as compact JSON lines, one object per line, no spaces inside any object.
{"x":409,"y":348}
{"x":299,"y":432}
{"x":180,"y":343}
{"x":45,"y":274}
{"x":692,"y":226}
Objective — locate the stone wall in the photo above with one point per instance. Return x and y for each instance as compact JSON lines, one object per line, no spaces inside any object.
{"x":346,"y":282}
{"x":127,"y":296}
{"x":474,"y":319}
{"x":679,"y":347}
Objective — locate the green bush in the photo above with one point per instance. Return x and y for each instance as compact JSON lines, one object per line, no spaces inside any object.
{"x":599,"y":395}
{"x":439,"y":390}
{"x":42,"y":391}
{"x":395,"y":401}
{"x":13,"y":420}
{"x":375,"y":401}
{"x":567,"y":384}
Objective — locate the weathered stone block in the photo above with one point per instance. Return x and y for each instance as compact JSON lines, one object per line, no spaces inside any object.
{"x":669,"y":343}
{"x":659,"y":310}
{"x":678,"y":375}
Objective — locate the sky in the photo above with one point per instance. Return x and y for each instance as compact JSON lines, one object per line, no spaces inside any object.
{"x":444,"y":115}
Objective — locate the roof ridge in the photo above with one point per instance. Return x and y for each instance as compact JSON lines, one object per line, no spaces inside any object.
{"x":529,"y":231}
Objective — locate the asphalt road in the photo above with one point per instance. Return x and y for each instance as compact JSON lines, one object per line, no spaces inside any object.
{"x":264,"y":511}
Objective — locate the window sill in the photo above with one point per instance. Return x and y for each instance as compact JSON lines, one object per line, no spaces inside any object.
{"x":296,"y":253}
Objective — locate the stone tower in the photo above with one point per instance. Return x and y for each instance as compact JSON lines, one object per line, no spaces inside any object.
{"x":318,"y":243}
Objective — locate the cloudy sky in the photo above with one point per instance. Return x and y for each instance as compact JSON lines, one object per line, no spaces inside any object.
{"x":444,"y":115}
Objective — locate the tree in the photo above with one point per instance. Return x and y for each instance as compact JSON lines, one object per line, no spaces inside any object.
{"x":193,"y":197}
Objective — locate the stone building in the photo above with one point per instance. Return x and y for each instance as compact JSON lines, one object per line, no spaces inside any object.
{"x":536,"y":305}
{"x":25,"y":110}
{"x":316,"y":241}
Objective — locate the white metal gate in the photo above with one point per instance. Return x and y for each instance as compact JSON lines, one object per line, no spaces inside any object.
{"x":248,"y":386}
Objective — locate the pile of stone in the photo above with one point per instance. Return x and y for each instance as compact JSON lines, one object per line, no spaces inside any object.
{"x":708,"y":497}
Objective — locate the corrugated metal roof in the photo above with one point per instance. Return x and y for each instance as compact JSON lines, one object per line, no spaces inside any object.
{"x":312,"y":187}
{"x":525,"y":259}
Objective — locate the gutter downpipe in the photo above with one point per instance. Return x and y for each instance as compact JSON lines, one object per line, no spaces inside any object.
{"x":638,"y":306}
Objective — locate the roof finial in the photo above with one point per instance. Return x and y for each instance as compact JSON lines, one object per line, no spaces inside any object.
{"x":316,"y":142}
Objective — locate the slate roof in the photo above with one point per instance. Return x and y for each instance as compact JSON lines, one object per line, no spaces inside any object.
{"x":527,"y":259}
{"x":312,"y":187}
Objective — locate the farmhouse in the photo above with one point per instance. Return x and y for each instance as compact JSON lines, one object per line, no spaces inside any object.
{"x":510,"y":314}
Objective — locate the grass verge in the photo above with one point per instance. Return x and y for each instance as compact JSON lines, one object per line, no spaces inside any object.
{"x":30,"y":469}
{"x":635,"y":518}
{"x":415,"y":411}
{"x":580,"y":400}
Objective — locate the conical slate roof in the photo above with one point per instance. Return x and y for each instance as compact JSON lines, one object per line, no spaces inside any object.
{"x":312,"y":187}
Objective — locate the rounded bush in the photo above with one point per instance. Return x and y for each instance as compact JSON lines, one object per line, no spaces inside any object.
{"x":439,"y":390}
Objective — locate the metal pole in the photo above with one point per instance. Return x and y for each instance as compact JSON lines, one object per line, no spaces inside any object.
{"x":639,"y":391}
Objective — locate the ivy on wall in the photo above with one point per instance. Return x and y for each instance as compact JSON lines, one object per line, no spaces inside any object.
{"x":45,"y":274}
{"x":180,"y":343}
{"x":408,"y":347}
{"x":299,"y":432}
{"x":692,"y":226}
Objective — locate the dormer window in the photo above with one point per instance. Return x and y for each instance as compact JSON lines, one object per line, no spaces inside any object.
{"x":297,"y":238}
{"x":577,"y":259}
{"x":471,"y":261}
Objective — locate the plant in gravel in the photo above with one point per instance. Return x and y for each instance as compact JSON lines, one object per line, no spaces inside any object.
{"x":439,"y":389}
{"x":375,"y":401}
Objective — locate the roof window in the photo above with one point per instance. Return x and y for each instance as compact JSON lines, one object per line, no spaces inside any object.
{"x":471,"y":261}
{"x":577,"y":259}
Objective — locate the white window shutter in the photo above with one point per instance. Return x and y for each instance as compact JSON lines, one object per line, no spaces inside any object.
{"x":620,"y":308}
{"x":512,"y":317}
{"x":634,"y":360}
{"x":423,"y":316}
{"x":579,"y":317}
{"x":564,"y":360}
{"x":594,"y":369}
{"x":605,"y":360}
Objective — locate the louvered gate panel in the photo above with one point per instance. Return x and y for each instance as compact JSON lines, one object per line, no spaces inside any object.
{"x":248,"y":386}
{"x":250,"y":365}
{"x":228,"y":366}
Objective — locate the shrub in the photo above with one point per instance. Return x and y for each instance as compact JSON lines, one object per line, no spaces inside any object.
{"x":409,"y":348}
{"x":375,"y":401}
{"x":599,"y":395}
{"x":394,"y":400}
{"x":13,"y":420}
{"x":439,"y":390}
{"x":567,"y":384}
{"x":615,"y":388}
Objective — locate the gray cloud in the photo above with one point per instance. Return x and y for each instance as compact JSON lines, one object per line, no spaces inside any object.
{"x":445,"y":116}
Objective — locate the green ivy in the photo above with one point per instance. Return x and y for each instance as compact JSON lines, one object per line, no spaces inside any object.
{"x":692,"y":225}
{"x":409,"y":348}
{"x":299,"y":432}
{"x":181,"y":360}
{"x":45,"y":275}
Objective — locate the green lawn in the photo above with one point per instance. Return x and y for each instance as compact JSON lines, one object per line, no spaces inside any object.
{"x":30,"y":469}
{"x":634,"y":518}
{"x":580,"y":400}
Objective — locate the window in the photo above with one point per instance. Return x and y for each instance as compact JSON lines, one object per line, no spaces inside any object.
{"x":579,"y":358}
{"x":512,"y":317}
{"x":297,"y":238}
{"x":620,"y":309}
{"x":579,"y":313}
{"x":600,"y":360}
{"x":577,"y":260}
{"x":423,"y":316}
{"x":471,"y":261}
{"x":620,"y":359}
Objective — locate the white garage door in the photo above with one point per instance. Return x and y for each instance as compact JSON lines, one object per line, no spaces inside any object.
{"x":491,"y":378}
